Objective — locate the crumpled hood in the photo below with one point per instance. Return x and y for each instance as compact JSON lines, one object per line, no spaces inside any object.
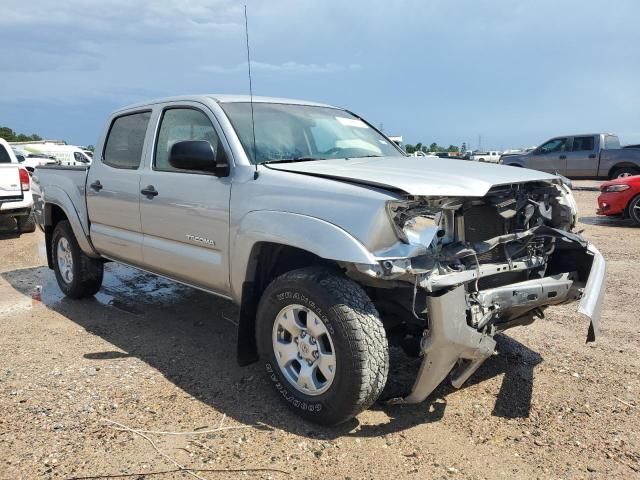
{"x":424,"y":176}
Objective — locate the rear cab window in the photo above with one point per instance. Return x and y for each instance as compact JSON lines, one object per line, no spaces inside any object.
{"x":611,"y":142}
{"x":4,"y":155}
{"x":125,"y":140}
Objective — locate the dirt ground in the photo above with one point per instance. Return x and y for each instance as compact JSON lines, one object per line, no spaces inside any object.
{"x":155,"y":356}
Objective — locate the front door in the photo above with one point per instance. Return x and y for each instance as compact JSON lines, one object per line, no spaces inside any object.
{"x":550,"y":157}
{"x":185,"y":220}
{"x":113,"y":190}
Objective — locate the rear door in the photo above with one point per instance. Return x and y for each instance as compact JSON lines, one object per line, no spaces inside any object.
{"x":582,"y":159}
{"x":185,"y":221}
{"x":113,"y":189}
{"x":550,"y":157}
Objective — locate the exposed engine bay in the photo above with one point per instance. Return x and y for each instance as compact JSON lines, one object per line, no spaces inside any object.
{"x":472,"y":267}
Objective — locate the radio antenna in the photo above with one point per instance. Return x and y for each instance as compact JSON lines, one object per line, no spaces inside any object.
{"x":253,"y":124}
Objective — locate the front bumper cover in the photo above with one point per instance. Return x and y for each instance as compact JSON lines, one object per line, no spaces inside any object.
{"x":451,"y":340}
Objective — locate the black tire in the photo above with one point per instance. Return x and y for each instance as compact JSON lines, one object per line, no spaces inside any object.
{"x":358,"y":336}
{"x":86,"y":272}
{"x":27,"y":223}
{"x":633,"y":210}
{"x":623,"y":172}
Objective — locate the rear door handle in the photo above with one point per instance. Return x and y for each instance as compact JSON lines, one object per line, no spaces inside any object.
{"x":593,"y":155}
{"x":97,"y":186}
{"x":563,"y":157}
{"x":149,"y":191}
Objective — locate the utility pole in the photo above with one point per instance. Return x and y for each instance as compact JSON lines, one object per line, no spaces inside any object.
{"x":480,"y":142}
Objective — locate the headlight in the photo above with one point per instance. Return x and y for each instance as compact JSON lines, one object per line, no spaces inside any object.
{"x":413,"y":221}
{"x":615,"y":188}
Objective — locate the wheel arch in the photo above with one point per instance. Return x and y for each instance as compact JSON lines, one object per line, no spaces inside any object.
{"x":620,"y":165}
{"x":268,"y":244}
{"x":55,"y":212}
{"x":627,"y":213}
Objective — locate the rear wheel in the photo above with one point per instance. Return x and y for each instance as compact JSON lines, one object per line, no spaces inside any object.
{"x":634,"y":210}
{"x":78,"y":275}
{"x":623,"y":172}
{"x":27,"y":224}
{"x":322,"y":343}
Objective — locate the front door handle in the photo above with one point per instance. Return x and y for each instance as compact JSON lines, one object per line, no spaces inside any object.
{"x":563,"y":157}
{"x":97,"y":186}
{"x":149,"y":191}
{"x":593,"y":155}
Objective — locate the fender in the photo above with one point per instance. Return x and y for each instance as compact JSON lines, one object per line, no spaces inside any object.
{"x":58,"y":197}
{"x":312,"y":234}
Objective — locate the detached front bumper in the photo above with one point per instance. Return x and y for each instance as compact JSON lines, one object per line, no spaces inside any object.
{"x":450,"y":341}
{"x":593,"y":294}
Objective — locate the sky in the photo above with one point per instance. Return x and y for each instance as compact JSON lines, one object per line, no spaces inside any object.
{"x":448,"y":71}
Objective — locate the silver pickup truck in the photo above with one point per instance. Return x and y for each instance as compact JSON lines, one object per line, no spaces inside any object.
{"x":595,"y":155}
{"x":331,"y":240}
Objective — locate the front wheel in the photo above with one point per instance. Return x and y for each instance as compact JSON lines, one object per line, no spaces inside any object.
{"x":634,"y":210}
{"x":78,"y":275}
{"x":322,"y":343}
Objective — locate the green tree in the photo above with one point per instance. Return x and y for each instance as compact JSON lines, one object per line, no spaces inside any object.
{"x":10,"y":136}
{"x":452,"y":149}
{"x":409,"y":148}
{"x":463,"y":148}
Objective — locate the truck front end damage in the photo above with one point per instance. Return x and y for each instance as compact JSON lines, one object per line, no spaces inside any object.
{"x":477,"y":266}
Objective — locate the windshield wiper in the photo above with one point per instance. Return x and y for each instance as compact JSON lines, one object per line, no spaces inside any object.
{"x":292,"y":160}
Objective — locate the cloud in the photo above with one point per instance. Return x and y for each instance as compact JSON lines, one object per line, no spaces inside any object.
{"x":287,"y":67}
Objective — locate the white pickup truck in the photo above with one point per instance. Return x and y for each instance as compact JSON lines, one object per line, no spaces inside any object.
{"x":331,"y":240}
{"x":16,"y":200}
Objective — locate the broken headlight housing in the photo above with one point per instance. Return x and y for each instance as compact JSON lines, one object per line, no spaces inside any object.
{"x":418,"y":220}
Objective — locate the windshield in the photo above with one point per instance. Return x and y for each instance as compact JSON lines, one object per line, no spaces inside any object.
{"x":303,"y":132}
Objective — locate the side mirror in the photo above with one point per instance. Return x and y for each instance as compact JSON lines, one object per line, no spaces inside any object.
{"x":198,"y":155}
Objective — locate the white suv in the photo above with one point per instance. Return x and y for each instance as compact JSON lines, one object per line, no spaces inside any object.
{"x":16,"y":200}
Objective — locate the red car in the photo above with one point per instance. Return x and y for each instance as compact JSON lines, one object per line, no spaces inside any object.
{"x":621,"y":197}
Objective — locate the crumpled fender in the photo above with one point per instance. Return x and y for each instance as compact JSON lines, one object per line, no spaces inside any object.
{"x":312,"y":234}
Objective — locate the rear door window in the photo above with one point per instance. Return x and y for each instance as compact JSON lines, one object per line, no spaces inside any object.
{"x":125,"y":141}
{"x":581,"y":144}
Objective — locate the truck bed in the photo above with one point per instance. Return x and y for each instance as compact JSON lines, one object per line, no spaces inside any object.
{"x":64,"y":184}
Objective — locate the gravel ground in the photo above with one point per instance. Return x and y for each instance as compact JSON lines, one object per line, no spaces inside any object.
{"x":155,"y":356}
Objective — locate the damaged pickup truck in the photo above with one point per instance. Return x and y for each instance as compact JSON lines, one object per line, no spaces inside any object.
{"x":331,"y":240}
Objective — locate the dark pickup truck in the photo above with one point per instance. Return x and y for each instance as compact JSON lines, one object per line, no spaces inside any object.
{"x":597,"y":155}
